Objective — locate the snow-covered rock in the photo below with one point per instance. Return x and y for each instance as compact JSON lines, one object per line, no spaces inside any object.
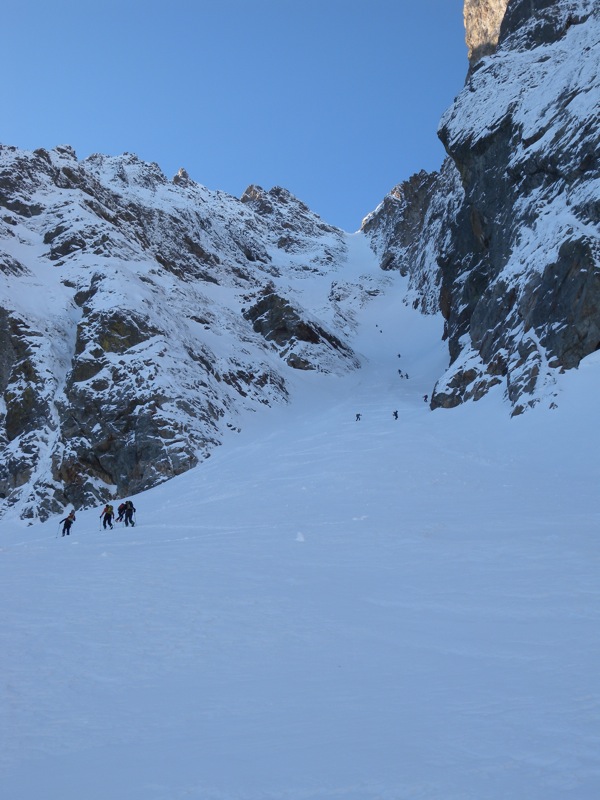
{"x":410,"y":230}
{"x":522,"y":271}
{"x":134,"y":321}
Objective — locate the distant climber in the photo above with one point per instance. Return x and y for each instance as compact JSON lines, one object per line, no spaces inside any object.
{"x":121,"y":512}
{"x":425,"y":397}
{"x":129,"y":512}
{"x":395,"y":415}
{"x":67,"y":522}
{"x":107,"y":516}
{"x":358,"y":416}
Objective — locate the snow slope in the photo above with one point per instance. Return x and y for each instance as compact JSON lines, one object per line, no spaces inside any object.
{"x":375,"y":610}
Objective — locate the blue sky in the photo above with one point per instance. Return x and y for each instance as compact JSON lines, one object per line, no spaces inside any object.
{"x":336,"y":100}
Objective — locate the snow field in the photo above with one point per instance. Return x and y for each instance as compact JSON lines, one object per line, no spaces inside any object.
{"x":375,"y":610}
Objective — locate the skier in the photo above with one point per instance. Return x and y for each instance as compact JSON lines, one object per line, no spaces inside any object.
{"x":395,"y":415}
{"x":67,"y":522}
{"x":358,"y":417}
{"x":107,"y":516}
{"x":121,"y":512}
{"x":129,"y":512}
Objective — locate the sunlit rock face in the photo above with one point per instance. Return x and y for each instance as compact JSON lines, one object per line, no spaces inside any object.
{"x":482,"y":26}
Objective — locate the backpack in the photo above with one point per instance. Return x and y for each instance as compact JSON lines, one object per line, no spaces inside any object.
{"x":129,"y":505}
{"x":108,"y":510}
{"x":122,"y":508}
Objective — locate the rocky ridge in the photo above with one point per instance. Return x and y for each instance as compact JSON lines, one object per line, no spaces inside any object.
{"x":141,"y":317}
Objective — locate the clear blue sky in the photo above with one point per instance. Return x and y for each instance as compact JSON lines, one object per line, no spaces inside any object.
{"x":336,"y":100}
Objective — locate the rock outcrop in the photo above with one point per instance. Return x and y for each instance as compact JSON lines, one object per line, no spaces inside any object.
{"x":410,"y":229}
{"x":304,"y":343}
{"x":483,"y":19}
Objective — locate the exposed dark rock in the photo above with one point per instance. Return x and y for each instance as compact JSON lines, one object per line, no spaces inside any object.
{"x":565,"y":308}
{"x":8,"y":354}
{"x":278,"y":321}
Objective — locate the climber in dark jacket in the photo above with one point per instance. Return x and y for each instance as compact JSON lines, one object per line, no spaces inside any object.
{"x":67,"y":522}
{"x":129,"y":512}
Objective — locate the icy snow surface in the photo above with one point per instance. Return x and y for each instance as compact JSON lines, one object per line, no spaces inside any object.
{"x":374,"y":610}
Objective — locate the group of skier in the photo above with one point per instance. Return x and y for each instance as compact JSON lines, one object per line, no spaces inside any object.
{"x":125,"y":513}
{"x":394,"y":413}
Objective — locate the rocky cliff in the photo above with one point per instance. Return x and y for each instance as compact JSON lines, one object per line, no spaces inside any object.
{"x":411,"y":228}
{"x":521,"y":273}
{"x":513,"y":250}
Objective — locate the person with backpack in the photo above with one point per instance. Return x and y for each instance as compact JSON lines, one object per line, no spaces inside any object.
{"x":66,"y":523}
{"x":121,"y":512}
{"x":107,"y":516}
{"x":129,"y":512}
